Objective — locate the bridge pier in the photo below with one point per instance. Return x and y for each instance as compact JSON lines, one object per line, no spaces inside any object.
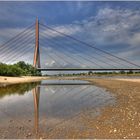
{"x":36,"y":62}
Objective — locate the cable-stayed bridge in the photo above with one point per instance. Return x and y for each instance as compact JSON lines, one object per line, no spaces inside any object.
{"x":49,"y":49}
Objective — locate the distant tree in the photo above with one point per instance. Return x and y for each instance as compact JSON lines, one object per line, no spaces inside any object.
{"x":122,"y":72}
{"x":130,"y":72}
{"x":90,"y":73}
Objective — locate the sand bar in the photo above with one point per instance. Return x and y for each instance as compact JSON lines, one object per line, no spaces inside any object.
{"x":130,"y":80}
{"x":4,"y":80}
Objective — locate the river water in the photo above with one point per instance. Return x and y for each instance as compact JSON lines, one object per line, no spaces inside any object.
{"x":33,"y":110}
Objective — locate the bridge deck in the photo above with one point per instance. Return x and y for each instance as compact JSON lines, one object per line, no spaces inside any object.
{"x":57,"y":84}
{"x":87,"y":69}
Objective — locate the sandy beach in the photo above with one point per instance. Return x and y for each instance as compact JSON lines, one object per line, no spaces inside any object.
{"x":128,"y":79}
{"x":5,"y":80}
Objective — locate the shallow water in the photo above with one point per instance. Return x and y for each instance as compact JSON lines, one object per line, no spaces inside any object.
{"x":37,"y":107}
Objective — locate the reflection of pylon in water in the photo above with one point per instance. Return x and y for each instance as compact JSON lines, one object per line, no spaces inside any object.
{"x":36,"y":95}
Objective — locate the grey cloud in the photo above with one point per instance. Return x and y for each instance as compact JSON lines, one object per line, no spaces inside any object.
{"x":110,"y":27}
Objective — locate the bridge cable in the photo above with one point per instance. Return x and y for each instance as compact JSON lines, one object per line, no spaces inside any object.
{"x":58,"y":56}
{"x":99,"y":53}
{"x":89,"y":45}
{"x":20,"y":51}
{"x":18,"y":35}
{"x":73,"y":58}
{"x":20,"y":55}
{"x":16,"y":45}
{"x":87,"y":56}
{"x":53,"y":58}
{"x":78,"y":51}
{"x":19,"y":48}
{"x":80,"y":56}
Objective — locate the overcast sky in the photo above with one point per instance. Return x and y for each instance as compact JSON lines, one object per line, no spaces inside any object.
{"x":111,"y":26}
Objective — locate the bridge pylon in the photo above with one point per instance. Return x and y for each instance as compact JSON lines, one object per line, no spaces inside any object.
{"x":36,"y":62}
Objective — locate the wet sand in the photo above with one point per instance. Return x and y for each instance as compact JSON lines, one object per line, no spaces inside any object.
{"x":121,"y":121}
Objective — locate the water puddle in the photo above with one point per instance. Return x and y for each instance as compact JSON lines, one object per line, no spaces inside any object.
{"x":31,"y":110}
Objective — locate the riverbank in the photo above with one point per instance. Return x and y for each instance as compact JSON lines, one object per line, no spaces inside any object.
{"x":5,"y":80}
{"x":120,"y":121}
{"x":123,"y":119}
{"x":128,"y":79}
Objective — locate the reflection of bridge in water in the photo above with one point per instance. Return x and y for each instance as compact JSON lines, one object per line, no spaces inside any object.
{"x":36,"y":96}
{"x":82,"y":94}
{"x":49,"y":105}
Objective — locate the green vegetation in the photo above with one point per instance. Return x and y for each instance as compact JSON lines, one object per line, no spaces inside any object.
{"x":122,"y":73}
{"x":18,"y":69}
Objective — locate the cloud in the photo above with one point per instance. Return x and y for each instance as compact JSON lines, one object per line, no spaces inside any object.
{"x":50,"y":64}
{"x":109,"y":28}
{"x":135,"y":40}
{"x":63,"y":29}
{"x":116,"y":30}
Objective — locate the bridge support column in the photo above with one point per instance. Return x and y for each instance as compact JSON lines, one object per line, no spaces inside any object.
{"x":36,"y":62}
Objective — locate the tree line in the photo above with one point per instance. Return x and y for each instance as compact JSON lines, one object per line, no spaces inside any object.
{"x":18,"y":69}
{"x":122,"y":72}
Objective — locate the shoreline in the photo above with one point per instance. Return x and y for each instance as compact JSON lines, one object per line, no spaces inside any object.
{"x":5,"y":80}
